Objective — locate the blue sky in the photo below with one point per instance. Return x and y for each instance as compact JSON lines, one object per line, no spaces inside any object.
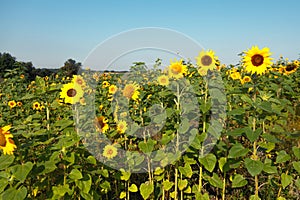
{"x":47,"y":33}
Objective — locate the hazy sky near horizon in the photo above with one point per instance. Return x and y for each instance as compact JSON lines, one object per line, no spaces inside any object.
{"x":49,"y":32}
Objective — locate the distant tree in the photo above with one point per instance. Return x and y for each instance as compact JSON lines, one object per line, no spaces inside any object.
{"x":70,"y":68}
{"x":6,"y":62}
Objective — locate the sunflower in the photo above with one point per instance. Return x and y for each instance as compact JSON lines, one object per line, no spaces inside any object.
{"x":101,"y":124}
{"x":12,"y":104}
{"x":19,"y":103}
{"x":121,"y":126}
{"x":6,"y":143}
{"x":246,"y":79}
{"x":206,"y":60}
{"x":163,"y":80}
{"x":257,"y":61}
{"x":235,"y":75}
{"x":36,"y":106}
{"x":71,"y":92}
{"x":110,"y":151}
{"x":177,"y":69}
{"x":105,"y":84}
{"x":82,"y":101}
{"x":290,"y":68}
{"x":112,"y":89}
{"x":79,"y":80}
{"x":130,"y":91}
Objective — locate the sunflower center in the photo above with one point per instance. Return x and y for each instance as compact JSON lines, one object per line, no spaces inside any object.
{"x":290,"y":68}
{"x":71,"y":93}
{"x":257,"y":60}
{"x":110,"y":152}
{"x":2,"y":140}
{"x":206,"y":60}
{"x":176,"y":69}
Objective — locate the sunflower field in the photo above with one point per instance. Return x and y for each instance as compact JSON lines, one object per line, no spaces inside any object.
{"x":186,"y":131}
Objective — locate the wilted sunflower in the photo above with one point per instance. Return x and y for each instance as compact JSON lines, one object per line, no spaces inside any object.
{"x":130,"y":91}
{"x":71,"y":92}
{"x":290,"y":68}
{"x":121,"y":126}
{"x":246,"y":79}
{"x":163,"y":80}
{"x":177,"y":69}
{"x":101,"y":124}
{"x":110,"y":151}
{"x":206,"y":60}
{"x":12,"y":104}
{"x":6,"y":142}
{"x":256,"y":60}
{"x":112,"y":89}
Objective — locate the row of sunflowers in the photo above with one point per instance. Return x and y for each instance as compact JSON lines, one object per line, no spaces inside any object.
{"x":203,"y":131}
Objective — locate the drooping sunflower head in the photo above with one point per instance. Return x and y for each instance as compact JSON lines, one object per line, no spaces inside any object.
{"x":12,"y":104}
{"x":177,"y":69}
{"x":110,"y":151}
{"x":6,"y":142}
{"x":206,"y":60}
{"x":71,"y":93}
{"x":130,"y":91}
{"x":112,"y":89}
{"x":163,"y":80}
{"x":290,"y":68}
{"x":101,"y":124}
{"x":257,"y":60}
{"x":121,"y":126}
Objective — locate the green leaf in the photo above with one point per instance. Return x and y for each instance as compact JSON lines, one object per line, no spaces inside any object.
{"x":297,"y":183}
{"x":182,"y":184}
{"x":237,"y":150}
{"x":125,"y":175}
{"x":186,"y":170}
{"x":237,"y":111}
{"x":6,"y":161}
{"x":167,"y":185}
{"x":296,"y":166}
{"x":266,"y":106}
{"x":133,"y":188}
{"x":148,"y":146}
{"x":282,"y":157}
{"x":60,"y":191}
{"x":122,"y":195}
{"x":200,"y":196}
{"x":222,"y":162}
{"x":252,"y":136}
{"x":281,"y":198}
{"x":254,"y":167}
{"x":216,"y":181}
{"x":254,"y":197}
{"x":84,"y":184}
{"x":286,"y":180}
{"x":75,"y":174}
{"x":15,"y":194}
{"x":146,"y":189}
{"x":105,"y":185}
{"x":239,"y":181}
{"x":3,"y":184}
{"x":91,"y":160}
{"x":64,"y":123}
{"x":21,"y":171}
{"x":236,"y":132}
{"x":247,"y":99}
{"x":269,"y":168}
{"x":209,"y":161}
{"x":296,"y":151}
